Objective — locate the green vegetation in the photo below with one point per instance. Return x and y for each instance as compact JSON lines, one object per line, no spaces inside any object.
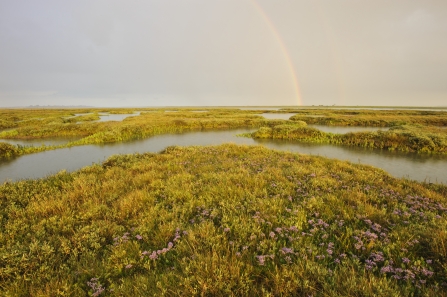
{"x":223,"y":221}
{"x":40,"y":124}
{"x":405,"y":138}
{"x":8,"y":150}
{"x":371,"y":118}
{"x":413,"y":130}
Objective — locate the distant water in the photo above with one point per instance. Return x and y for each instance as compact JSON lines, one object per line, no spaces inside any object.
{"x":116,"y":117}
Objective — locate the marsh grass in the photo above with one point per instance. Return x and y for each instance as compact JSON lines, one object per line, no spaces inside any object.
{"x":371,"y":118}
{"x":223,"y":221}
{"x":36,"y":124}
{"x":407,"y":138}
{"x":411,"y":130}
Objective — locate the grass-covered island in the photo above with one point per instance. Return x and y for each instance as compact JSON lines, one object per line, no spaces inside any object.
{"x":406,"y":138}
{"x":223,"y":221}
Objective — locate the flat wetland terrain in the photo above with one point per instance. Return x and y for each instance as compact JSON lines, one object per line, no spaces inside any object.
{"x":225,"y":220}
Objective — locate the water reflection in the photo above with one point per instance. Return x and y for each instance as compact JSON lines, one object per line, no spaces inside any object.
{"x":421,"y":167}
{"x":414,"y":166}
{"x":116,"y":117}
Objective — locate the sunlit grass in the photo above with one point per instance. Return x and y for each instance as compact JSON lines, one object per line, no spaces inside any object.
{"x":414,"y":138}
{"x":223,"y":221}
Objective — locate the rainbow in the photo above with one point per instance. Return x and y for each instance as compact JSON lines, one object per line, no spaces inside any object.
{"x":283,"y":49}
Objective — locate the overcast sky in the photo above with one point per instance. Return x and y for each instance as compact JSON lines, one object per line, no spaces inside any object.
{"x":223,"y":52}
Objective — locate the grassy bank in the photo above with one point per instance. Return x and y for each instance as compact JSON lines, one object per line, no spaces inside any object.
{"x":223,"y":221}
{"x":52,"y":123}
{"x":413,"y":130}
{"x":371,"y":118}
{"x":405,"y":138}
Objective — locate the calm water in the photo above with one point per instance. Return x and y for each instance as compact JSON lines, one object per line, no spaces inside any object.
{"x":116,"y":117}
{"x":413,"y":166}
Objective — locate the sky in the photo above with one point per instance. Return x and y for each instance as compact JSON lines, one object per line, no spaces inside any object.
{"x":223,"y":52}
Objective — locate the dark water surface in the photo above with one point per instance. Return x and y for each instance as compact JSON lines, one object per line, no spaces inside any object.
{"x":420,"y":167}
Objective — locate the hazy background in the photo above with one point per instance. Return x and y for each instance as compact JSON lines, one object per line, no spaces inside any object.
{"x":223,"y":52}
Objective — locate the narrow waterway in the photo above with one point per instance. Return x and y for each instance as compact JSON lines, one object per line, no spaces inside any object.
{"x":420,"y":167}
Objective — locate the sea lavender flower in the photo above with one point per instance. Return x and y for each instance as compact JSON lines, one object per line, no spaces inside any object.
{"x":405,"y":260}
{"x":261,"y":260}
{"x":386,"y":269}
{"x":128,"y":266}
{"x":286,"y":250}
{"x":139,"y":237}
{"x":427,"y":272}
{"x":293,"y":229}
{"x":377,"y":257}
{"x":272,"y":234}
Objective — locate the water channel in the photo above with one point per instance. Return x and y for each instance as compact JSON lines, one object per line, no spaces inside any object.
{"x":420,"y":167}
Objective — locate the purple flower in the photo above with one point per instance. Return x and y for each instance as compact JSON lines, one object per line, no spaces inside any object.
{"x":128,"y":266}
{"x":139,"y":237}
{"x":427,"y":272}
{"x":153,"y":256}
{"x":261,"y":260}
{"x":293,"y":229}
{"x":406,"y":260}
{"x":386,"y":269}
{"x":272,"y":234}
{"x":286,"y":250}
{"x":227,"y":230}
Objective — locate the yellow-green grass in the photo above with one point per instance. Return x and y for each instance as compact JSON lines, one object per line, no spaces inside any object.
{"x":40,"y":124}
{"x":44,"y":123}
{"x":416,"y":138}
{"x":377,"y":118}
{"x":223,"y":221}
